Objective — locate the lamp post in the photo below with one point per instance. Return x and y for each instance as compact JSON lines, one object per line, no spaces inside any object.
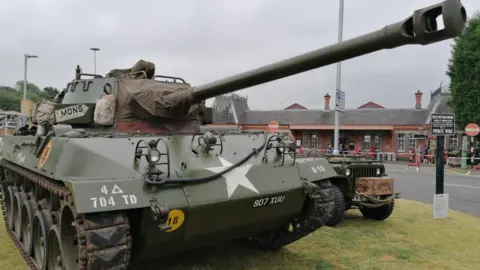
{"x":95,"y":59}
{"x":26,"y":57}
{"x":338,"y":83}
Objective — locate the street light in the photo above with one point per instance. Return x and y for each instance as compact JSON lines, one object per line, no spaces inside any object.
{"x":338,"y":83}
{"x":27,"y":56}
{"x":95,"y":59}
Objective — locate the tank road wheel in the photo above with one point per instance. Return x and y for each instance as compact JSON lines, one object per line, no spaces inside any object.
{"x":338,"y":211}
{"x":54,"y":254}
{"x":316,"y":213}
{"x":54,"y":235}
{"x":28,"y":213}
{"x":18,"y":200}
{"x":42,"y":223}
{"x":9,"y":195}
{"x":378,"y":213}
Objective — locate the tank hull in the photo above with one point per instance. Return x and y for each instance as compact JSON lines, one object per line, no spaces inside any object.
{"x":98,"y":185}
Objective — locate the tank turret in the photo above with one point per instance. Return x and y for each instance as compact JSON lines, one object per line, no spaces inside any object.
{"x":134,"y":100}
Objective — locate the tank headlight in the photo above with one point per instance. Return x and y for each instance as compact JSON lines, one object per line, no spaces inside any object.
{"x":348,"y":172}
{"x":153,"y":155}
{"x":379,"y":171}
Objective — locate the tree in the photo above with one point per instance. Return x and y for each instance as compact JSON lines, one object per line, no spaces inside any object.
{"x":10,"y":98}
{"x":31,"y":87}
{"x":50,"y":92}
{"x":464,"y":72}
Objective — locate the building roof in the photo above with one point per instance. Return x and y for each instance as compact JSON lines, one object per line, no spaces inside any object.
{"x":371,"y":104}
{"x":223,"y":113}
{"x":348,"y":117}
{"x":295,"y":106}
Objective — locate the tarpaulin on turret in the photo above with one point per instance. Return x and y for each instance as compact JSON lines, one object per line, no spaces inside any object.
{"x":145,"y":100}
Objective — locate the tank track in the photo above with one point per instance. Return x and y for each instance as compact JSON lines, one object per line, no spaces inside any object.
{"x":102,"y":240}
{"x":316,"y":214}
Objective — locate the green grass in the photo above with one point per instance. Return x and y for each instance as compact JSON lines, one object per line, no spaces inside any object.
{"x":409,"y":239}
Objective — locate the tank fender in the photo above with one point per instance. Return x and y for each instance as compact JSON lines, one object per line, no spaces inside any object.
{"x":315,"y":169}
{"x":342,"y":182}
{"x":92,"y":196}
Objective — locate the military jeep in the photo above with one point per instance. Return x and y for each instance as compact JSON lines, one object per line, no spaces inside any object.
{"x":365,"y":187}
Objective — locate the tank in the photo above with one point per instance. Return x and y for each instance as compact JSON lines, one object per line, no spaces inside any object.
{"x":120,"y":169}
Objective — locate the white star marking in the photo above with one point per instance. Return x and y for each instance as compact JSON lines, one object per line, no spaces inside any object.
{"x":236,"y":177}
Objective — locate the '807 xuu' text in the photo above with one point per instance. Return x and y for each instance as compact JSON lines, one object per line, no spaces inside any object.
{"x":268,"y":201}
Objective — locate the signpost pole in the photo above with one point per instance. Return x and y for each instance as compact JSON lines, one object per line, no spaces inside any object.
{"x":471,"y":130}
{"x":339,"y":107}
{"x":336,"y":131}
{"x":463,"y":162}
{"x":440,"y":170}
{"x":443,"y":124}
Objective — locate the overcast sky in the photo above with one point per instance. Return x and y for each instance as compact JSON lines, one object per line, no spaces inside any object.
{"x":206,"y":40}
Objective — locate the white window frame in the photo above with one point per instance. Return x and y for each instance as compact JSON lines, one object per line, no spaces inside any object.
{"x":306,"y":140}
{"x":366,"y":147}
{"x":315,"y":141}
{"x":411,"y":138}
{"x":380,"y":142}
{"x":400,"y":137}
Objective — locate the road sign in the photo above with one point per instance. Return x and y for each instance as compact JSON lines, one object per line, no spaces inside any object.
{"x":440,"y":206}
{"x":273,"y":126}
{"x":340,"y":101}
{"x":443,"y":124}
{"x":472,"y":129}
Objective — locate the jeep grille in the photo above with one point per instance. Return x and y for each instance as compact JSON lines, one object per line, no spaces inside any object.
{"x":364,"y":172}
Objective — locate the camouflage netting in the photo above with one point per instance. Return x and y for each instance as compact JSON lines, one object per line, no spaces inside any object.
{"x":141,"y":70}
{"x":157,"y":103}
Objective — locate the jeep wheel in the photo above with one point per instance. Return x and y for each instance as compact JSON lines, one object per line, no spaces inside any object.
{"x":338,"y":210}
{"x":379,"y":213}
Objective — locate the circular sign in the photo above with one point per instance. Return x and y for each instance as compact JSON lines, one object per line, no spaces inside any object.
{"x":175,"y":219}
{"x":472,"y":129}
{"x":45,"y":154}
{"x":273,"y":126}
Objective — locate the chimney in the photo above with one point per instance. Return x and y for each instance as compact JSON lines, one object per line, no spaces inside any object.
{"x":418,"y":100}
{"x":327,"y":102}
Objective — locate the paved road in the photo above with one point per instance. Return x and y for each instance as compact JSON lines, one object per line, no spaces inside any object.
{"x":464,"y":191}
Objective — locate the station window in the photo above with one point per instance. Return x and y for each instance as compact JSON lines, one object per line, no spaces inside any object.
{"x":306,"y":141}
{"x":412,"y":141}
{"x":314,"y":141}
{"x":400,"y":142}
{"x":377,"y":143}
{"x":367,"y":142}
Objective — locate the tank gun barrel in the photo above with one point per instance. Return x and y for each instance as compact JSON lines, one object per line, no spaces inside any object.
{"x":419,"y":28}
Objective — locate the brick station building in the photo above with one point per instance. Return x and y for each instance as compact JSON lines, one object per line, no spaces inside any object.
{"x":388,"y":130}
